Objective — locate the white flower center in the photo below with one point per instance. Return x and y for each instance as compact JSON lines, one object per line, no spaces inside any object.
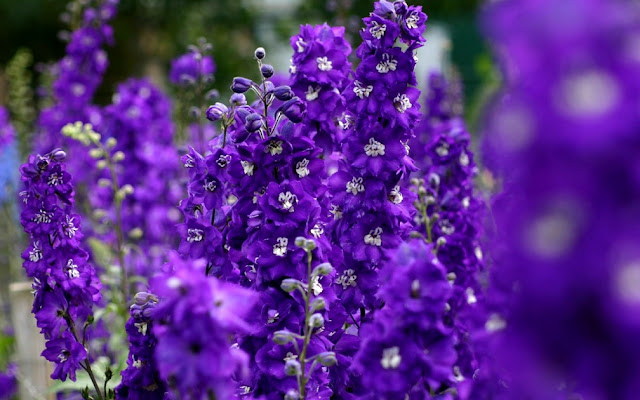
{"x":345,"y":121}
{"x":35,"y":255}
{"x":324,"y":64}
{"x":223,"y":160}
{"x":302,"y":168}
{"x":194,"y":235}
{"x":280,"y":248}
{"x":247,"y":167}
{"x":362,"y":91}
{"x":412,"y":21}
{"x":495,"y":323}
{"x":210,"y":185}
{"x":374,"y":148}
{"x":42,"y":217}
{"x":54,"y":179}
{"x":387,"y":64}
{"x":336,"y":211}
{"x":443,"y":149}
{"x":464,"y":159}
{"x":62,"y":357}
{"x":402,"y":103}
{"x":355,"y":186}
{"x":317,"y":231}
{"x":69,"y":228}
{"x":142,"y":327}
{"x":301,"y":45}
{"x":395,"y":195}
{"x":274,"y":147}
{"x":374,"y":237}
{"x":137,"y":364}
{"x":72,"y":269}
{"x":189,"y":162}
{"x":391,"y":358}
{"x":312,"y":93}
{"x":348,"y":278}
{"x":287,"y":201}
{"x":446,"y":227}
{"x":316,"y":287}
{"x":377,"y":30}
{"x":471,"y":296}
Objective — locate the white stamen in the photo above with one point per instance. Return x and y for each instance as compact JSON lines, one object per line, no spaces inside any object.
{"x":210,"y":185}
{"x":223,"y":160}
{"x":247,"y":167}
{"x":387,"y":64}
{"x":348,"y":278}
{"x":355,"y":186}
{"x":189,"y":162}
{"x":495,"y":323}
{"x":42,"y":217}
{"x":412,"y":21}
{"x":287,"y":201}
{"x":402,"y":103}
{"x":345,"y":121}
{"x":72,"y":269}
{"x":142,"y":327}
{"x":391,"y":358}
{"x":54,"y":179}
{"x":374,"y":148}
{"x":471,"y":296}
{"x":336,"y":211}
{"x":374,"y":237}
{"x":194,"y":235}
{"x":324,"y":64}
{"x":302,"y":168}
{"x":362,"y":91}
{"x":280,"y":248}
{"x":274,"y":147}
{"x":35,"y":255}
{"x":316,"y":287}
{"x":69,"y":228}
{"x":395,"y":195}
{"x":301,"y":45}
{"x":464,"y":159}
{"x":312,"y":93}
{"x":377,"y":30}
{"x":317,"y":231}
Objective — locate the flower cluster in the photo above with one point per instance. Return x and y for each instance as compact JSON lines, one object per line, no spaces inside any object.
{"x":65,"y":284}
{"x":192,"y":323}
{"x":139,"y":122}
{"x":369,"y":204}
{"x":563,"y":136}
{"x":140,"y":380}
{"x":319,"y":73}
{"x":78,"y":75}
{"x":409,"y":349}
{"x":259,"y":189}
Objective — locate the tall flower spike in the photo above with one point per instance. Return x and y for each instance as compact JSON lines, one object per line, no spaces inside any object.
{"x":78,"y":75}
{"x":65,"y":283}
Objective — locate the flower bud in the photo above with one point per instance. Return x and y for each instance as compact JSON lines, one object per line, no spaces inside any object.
{"x":292,"y":368}
{"x":104,"y":182}
{"x":141,"y":298}
{"x":318,"y":304}
{"x":96,"y":153}
{"x":267,"y":70}
{"x":127,"y":189}
{"x":289,"y":285}
{"x":117,"y":156}
{"x":327,"y":358}
{"x":260,"y":53}
{"x":102,"y":164}
{"x":58,"y":155}
{"x":323,"y":269}
{"x":111,"y":143}
{"x":316,"y":321}
{"x":194,"y":112}
{"x":212,"y":95}
{"x":240,"y":84}
{"x":283,"y":93}
{"x":216,"y":111}
{"x":136,"y":233}
{"x":282,"y":337}
{"x":293,"y":109}
{"x":238,"y":99}
{"x":253,"y":122}
{"x":300,"y":241}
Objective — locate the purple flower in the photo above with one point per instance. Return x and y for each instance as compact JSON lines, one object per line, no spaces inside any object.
{"x":190,"y":67}
{"x":67,"y":354}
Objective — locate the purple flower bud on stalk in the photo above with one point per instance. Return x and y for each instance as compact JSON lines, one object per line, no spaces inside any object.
{"x":293,"y":109}
{"x":253,"y":122}
{"x":241,"y":85}
{"x":267,"y":70}
{"x":216,"y":111}
{"x":283,"y":93}
{"x":260,"y":53}
{"x":238,"y":99}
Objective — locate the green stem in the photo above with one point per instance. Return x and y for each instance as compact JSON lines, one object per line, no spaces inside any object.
{"x":307,"y":332}
{"x":87,"y":365}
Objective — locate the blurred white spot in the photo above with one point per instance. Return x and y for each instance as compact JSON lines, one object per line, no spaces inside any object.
{"x":513,"y":127}
{"x":589,"y":93}
{"x":495,"y":323}
{"x":628,"y":282}
{"x":551,"y":235}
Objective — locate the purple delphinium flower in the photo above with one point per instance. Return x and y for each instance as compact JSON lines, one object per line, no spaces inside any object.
{"x":140,"y":380}
{"x":65,"y":284}
{"x":408,"y":347}
{"x":319,"y":72}
{"x":77,"y":76}
{"x":563,"y":138}
{"x":383,"y":104}
{"x":8,"y":382}
{"x":139,"y":121}
{"x":261,"y":187}
{"x":193,"y":323}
